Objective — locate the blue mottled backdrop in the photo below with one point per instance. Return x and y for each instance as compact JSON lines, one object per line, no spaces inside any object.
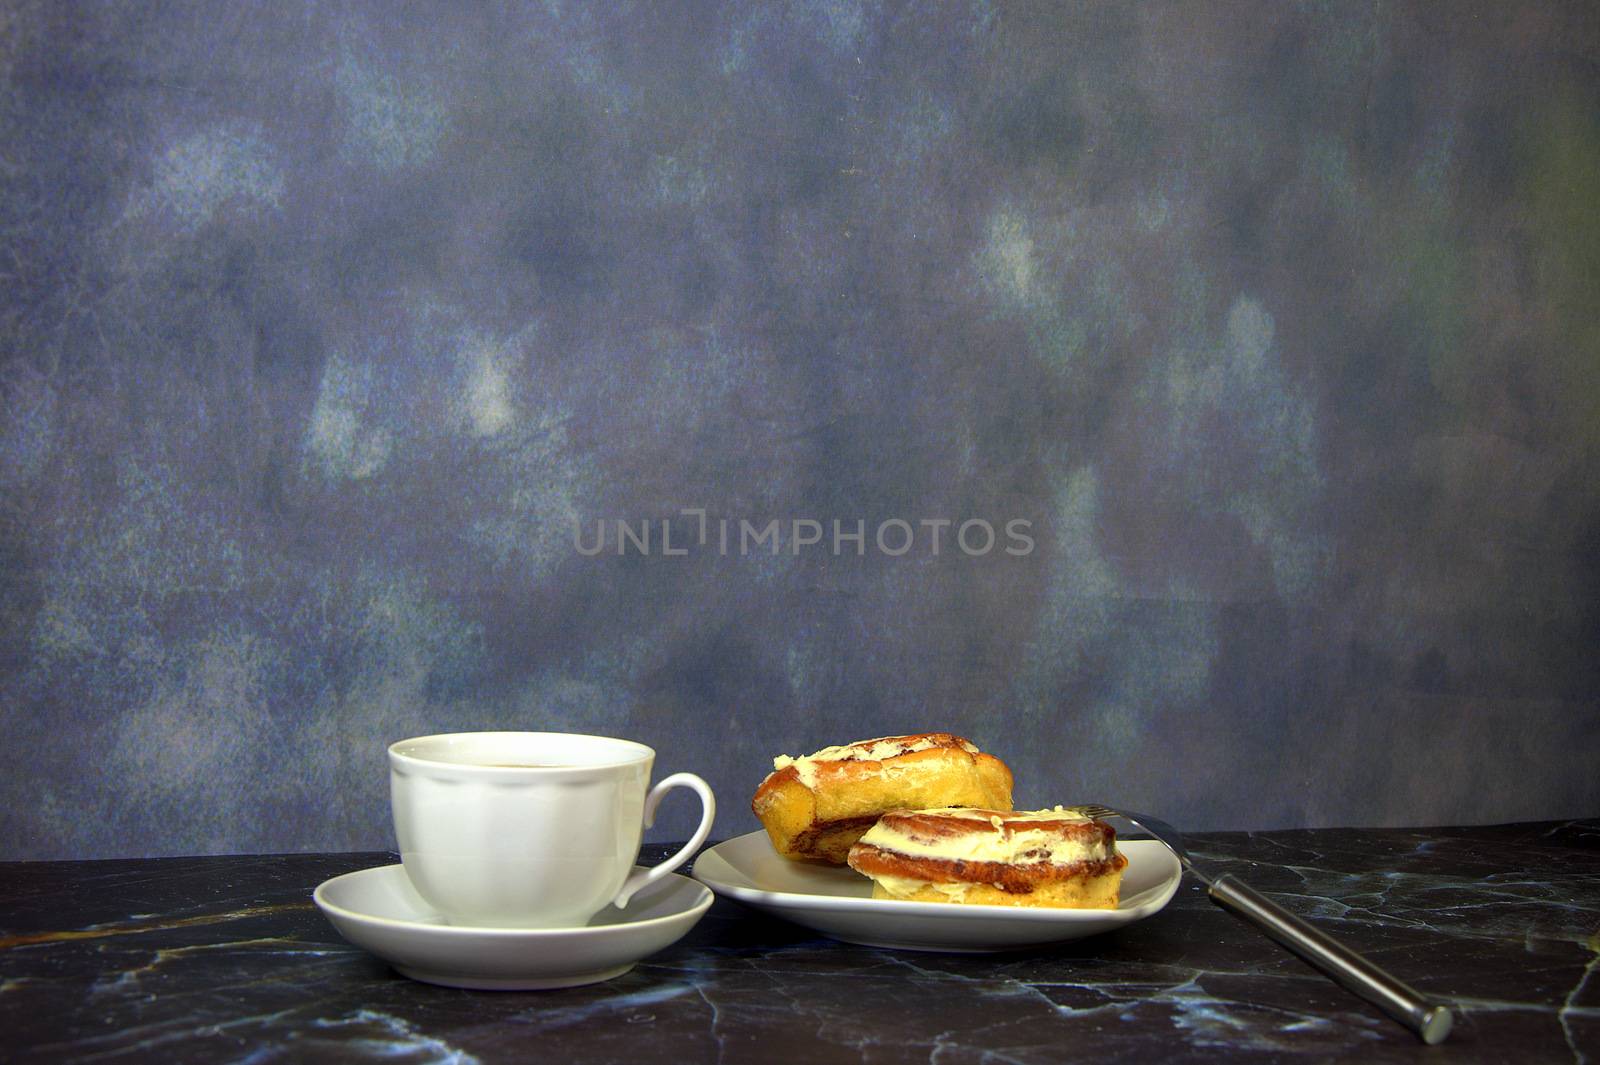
{"x":324,"y":327}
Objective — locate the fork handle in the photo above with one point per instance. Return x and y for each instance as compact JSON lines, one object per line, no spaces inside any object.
{"x":1430,"y":1019}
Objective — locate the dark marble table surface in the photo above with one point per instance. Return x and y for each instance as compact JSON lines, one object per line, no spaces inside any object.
{"x":225,"y":959}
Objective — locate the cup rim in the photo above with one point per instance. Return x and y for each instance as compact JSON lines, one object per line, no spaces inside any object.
{"x":636,"y":753}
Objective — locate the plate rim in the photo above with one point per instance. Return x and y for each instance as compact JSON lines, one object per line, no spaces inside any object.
{"x":703,"y":900}
{"x":806,"y":901}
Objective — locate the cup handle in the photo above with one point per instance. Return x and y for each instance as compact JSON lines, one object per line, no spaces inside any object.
{"x":708,"y":811}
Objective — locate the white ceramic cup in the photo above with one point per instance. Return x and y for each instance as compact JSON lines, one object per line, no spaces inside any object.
{"x":529,"y":829}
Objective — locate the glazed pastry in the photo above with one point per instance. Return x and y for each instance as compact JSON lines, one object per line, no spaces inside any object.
{"x":815,"y":807}
{"x":1056,"y":858}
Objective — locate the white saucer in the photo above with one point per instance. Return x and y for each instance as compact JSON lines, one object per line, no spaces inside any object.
{"x":379,"y":910}
{"x":838,"y":902}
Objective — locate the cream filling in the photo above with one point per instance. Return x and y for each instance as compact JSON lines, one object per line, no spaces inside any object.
{"x":864,"y":751}
{"x":905,"y":886}
{"x":1005,"y":842}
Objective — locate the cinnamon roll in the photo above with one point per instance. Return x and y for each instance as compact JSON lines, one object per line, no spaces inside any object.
{"x":814,"y":808}
{"x":1056,"y":858}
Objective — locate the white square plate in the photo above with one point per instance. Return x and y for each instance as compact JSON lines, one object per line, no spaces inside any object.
{"x":838,"y":902}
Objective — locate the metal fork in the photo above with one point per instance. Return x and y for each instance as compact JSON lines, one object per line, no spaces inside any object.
{"x":1428,"y":1018}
